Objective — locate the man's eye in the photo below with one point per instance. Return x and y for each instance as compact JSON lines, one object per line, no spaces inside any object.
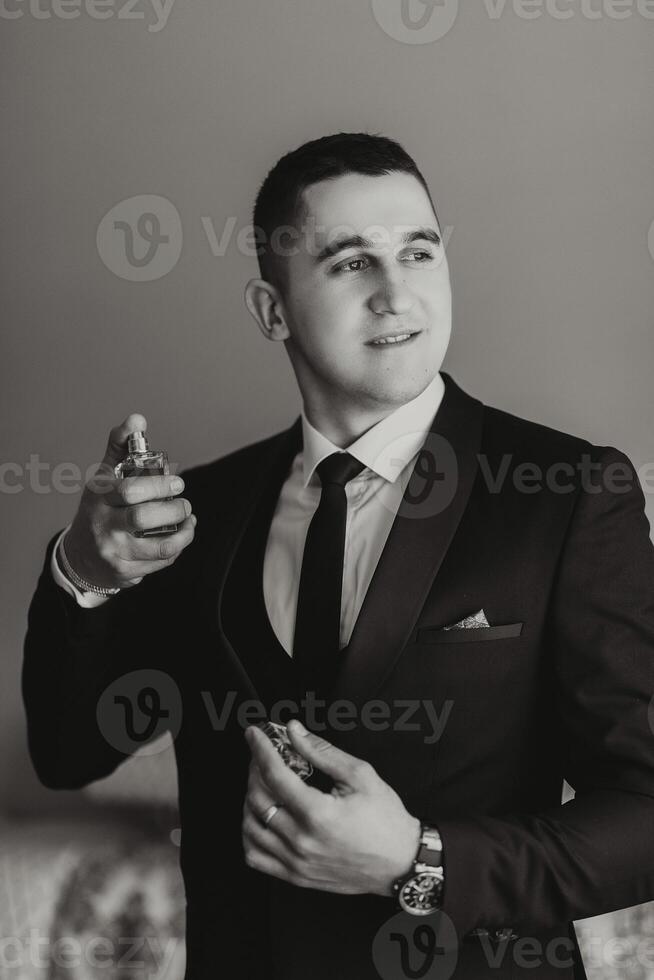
{"x":352,"y":265}
{"x":420,"y":255}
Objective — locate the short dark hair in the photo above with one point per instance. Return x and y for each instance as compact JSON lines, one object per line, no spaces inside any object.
{"x":279,"y":198}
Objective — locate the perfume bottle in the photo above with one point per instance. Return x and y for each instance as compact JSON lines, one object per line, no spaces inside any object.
{"x":280,"y":739}
{"x":143,"y":461}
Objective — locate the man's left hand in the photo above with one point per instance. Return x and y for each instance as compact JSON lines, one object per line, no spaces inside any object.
{"x":357,"y":839}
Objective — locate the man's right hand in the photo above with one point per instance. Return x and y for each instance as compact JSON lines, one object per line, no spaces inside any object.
{"x":101,"y":546}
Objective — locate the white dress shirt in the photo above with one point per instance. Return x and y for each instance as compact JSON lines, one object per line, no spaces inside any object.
{"x":388,"y":450}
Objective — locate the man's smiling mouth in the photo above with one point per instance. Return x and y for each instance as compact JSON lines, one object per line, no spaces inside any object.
{"x":393,"y":339}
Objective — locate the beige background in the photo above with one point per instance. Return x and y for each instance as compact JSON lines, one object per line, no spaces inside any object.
{"x":537,"y":137}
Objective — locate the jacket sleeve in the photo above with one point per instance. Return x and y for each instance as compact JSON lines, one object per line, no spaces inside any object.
{"x":87,"y":599}
{"x":593,"y":854}
{"x":75,"y":730}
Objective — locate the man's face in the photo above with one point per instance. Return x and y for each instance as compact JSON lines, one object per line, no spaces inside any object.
{"x":368,"y":300}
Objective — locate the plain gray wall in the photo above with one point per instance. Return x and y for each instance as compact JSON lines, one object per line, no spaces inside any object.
{"x":537,"y":137}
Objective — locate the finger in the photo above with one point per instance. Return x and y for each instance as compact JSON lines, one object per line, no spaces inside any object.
{"x":341,"y":766}
{"x":132,"y":490}
{"x":153,"y":514}
{"x":284,"y":785}
{"x":283,"y":824}
{"x":142,"y":552}
{"x":117,"y":441}
{"x":267,"y":864}
{"x":255,"y":778}
{"x":268,"y":838}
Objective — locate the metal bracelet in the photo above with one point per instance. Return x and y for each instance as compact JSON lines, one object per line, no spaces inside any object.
{"x":77,"y":580}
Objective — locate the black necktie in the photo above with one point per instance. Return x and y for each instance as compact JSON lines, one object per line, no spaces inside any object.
{"x":317,"y":624}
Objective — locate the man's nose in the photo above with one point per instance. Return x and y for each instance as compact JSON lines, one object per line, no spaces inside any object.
{"x":391,"y":295}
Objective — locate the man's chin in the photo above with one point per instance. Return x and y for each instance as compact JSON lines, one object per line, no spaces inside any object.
{"x":393,"y":392}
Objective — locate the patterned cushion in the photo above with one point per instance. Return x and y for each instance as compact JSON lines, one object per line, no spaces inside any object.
{"x":77,"y":895}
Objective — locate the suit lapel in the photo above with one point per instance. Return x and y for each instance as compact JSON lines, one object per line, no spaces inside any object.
{"x":427,"y":519}
{"x":271,"y":471}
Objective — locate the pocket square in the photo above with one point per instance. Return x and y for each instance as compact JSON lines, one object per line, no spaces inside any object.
{"x":475,"y":622}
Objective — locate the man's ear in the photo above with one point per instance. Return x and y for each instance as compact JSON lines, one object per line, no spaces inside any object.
{"x":265,"y":303}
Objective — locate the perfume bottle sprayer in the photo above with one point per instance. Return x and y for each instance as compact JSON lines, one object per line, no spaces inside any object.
{"x":143,"y":461}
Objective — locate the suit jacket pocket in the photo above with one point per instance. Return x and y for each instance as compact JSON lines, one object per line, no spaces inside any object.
{"x":428,"y":634}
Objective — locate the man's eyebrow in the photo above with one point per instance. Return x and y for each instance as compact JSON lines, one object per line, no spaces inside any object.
{"x":357,"y":241}
{"x":340,"y":244}
{"x":422,"y":234}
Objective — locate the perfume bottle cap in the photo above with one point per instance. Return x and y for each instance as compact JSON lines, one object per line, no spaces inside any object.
{"x":137,"y":442}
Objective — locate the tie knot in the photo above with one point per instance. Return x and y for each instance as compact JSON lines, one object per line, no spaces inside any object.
{"x":339,"y":468}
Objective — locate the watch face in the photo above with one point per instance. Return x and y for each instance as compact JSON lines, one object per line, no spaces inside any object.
{"x":421,"y":894}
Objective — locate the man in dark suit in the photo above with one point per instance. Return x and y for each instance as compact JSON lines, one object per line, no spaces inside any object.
{"x":458,"y":602}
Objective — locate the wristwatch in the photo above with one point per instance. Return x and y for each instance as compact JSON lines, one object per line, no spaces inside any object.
{"x":420,"y":892}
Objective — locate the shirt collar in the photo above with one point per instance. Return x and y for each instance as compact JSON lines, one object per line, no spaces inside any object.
{"x":388,"y":446}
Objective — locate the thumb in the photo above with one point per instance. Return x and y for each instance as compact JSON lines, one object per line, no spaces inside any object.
{"x":340,"y":765}
{"x":117,"y":442}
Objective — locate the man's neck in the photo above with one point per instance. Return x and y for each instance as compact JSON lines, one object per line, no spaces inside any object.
{"x":344,"y":424}
{"x":345,"y":428}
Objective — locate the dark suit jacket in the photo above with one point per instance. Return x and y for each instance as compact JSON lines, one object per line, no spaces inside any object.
{"x":558,"y":687}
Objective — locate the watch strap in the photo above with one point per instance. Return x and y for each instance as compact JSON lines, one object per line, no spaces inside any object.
{"x":429,"y":858}
{"x":430,"y":851}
